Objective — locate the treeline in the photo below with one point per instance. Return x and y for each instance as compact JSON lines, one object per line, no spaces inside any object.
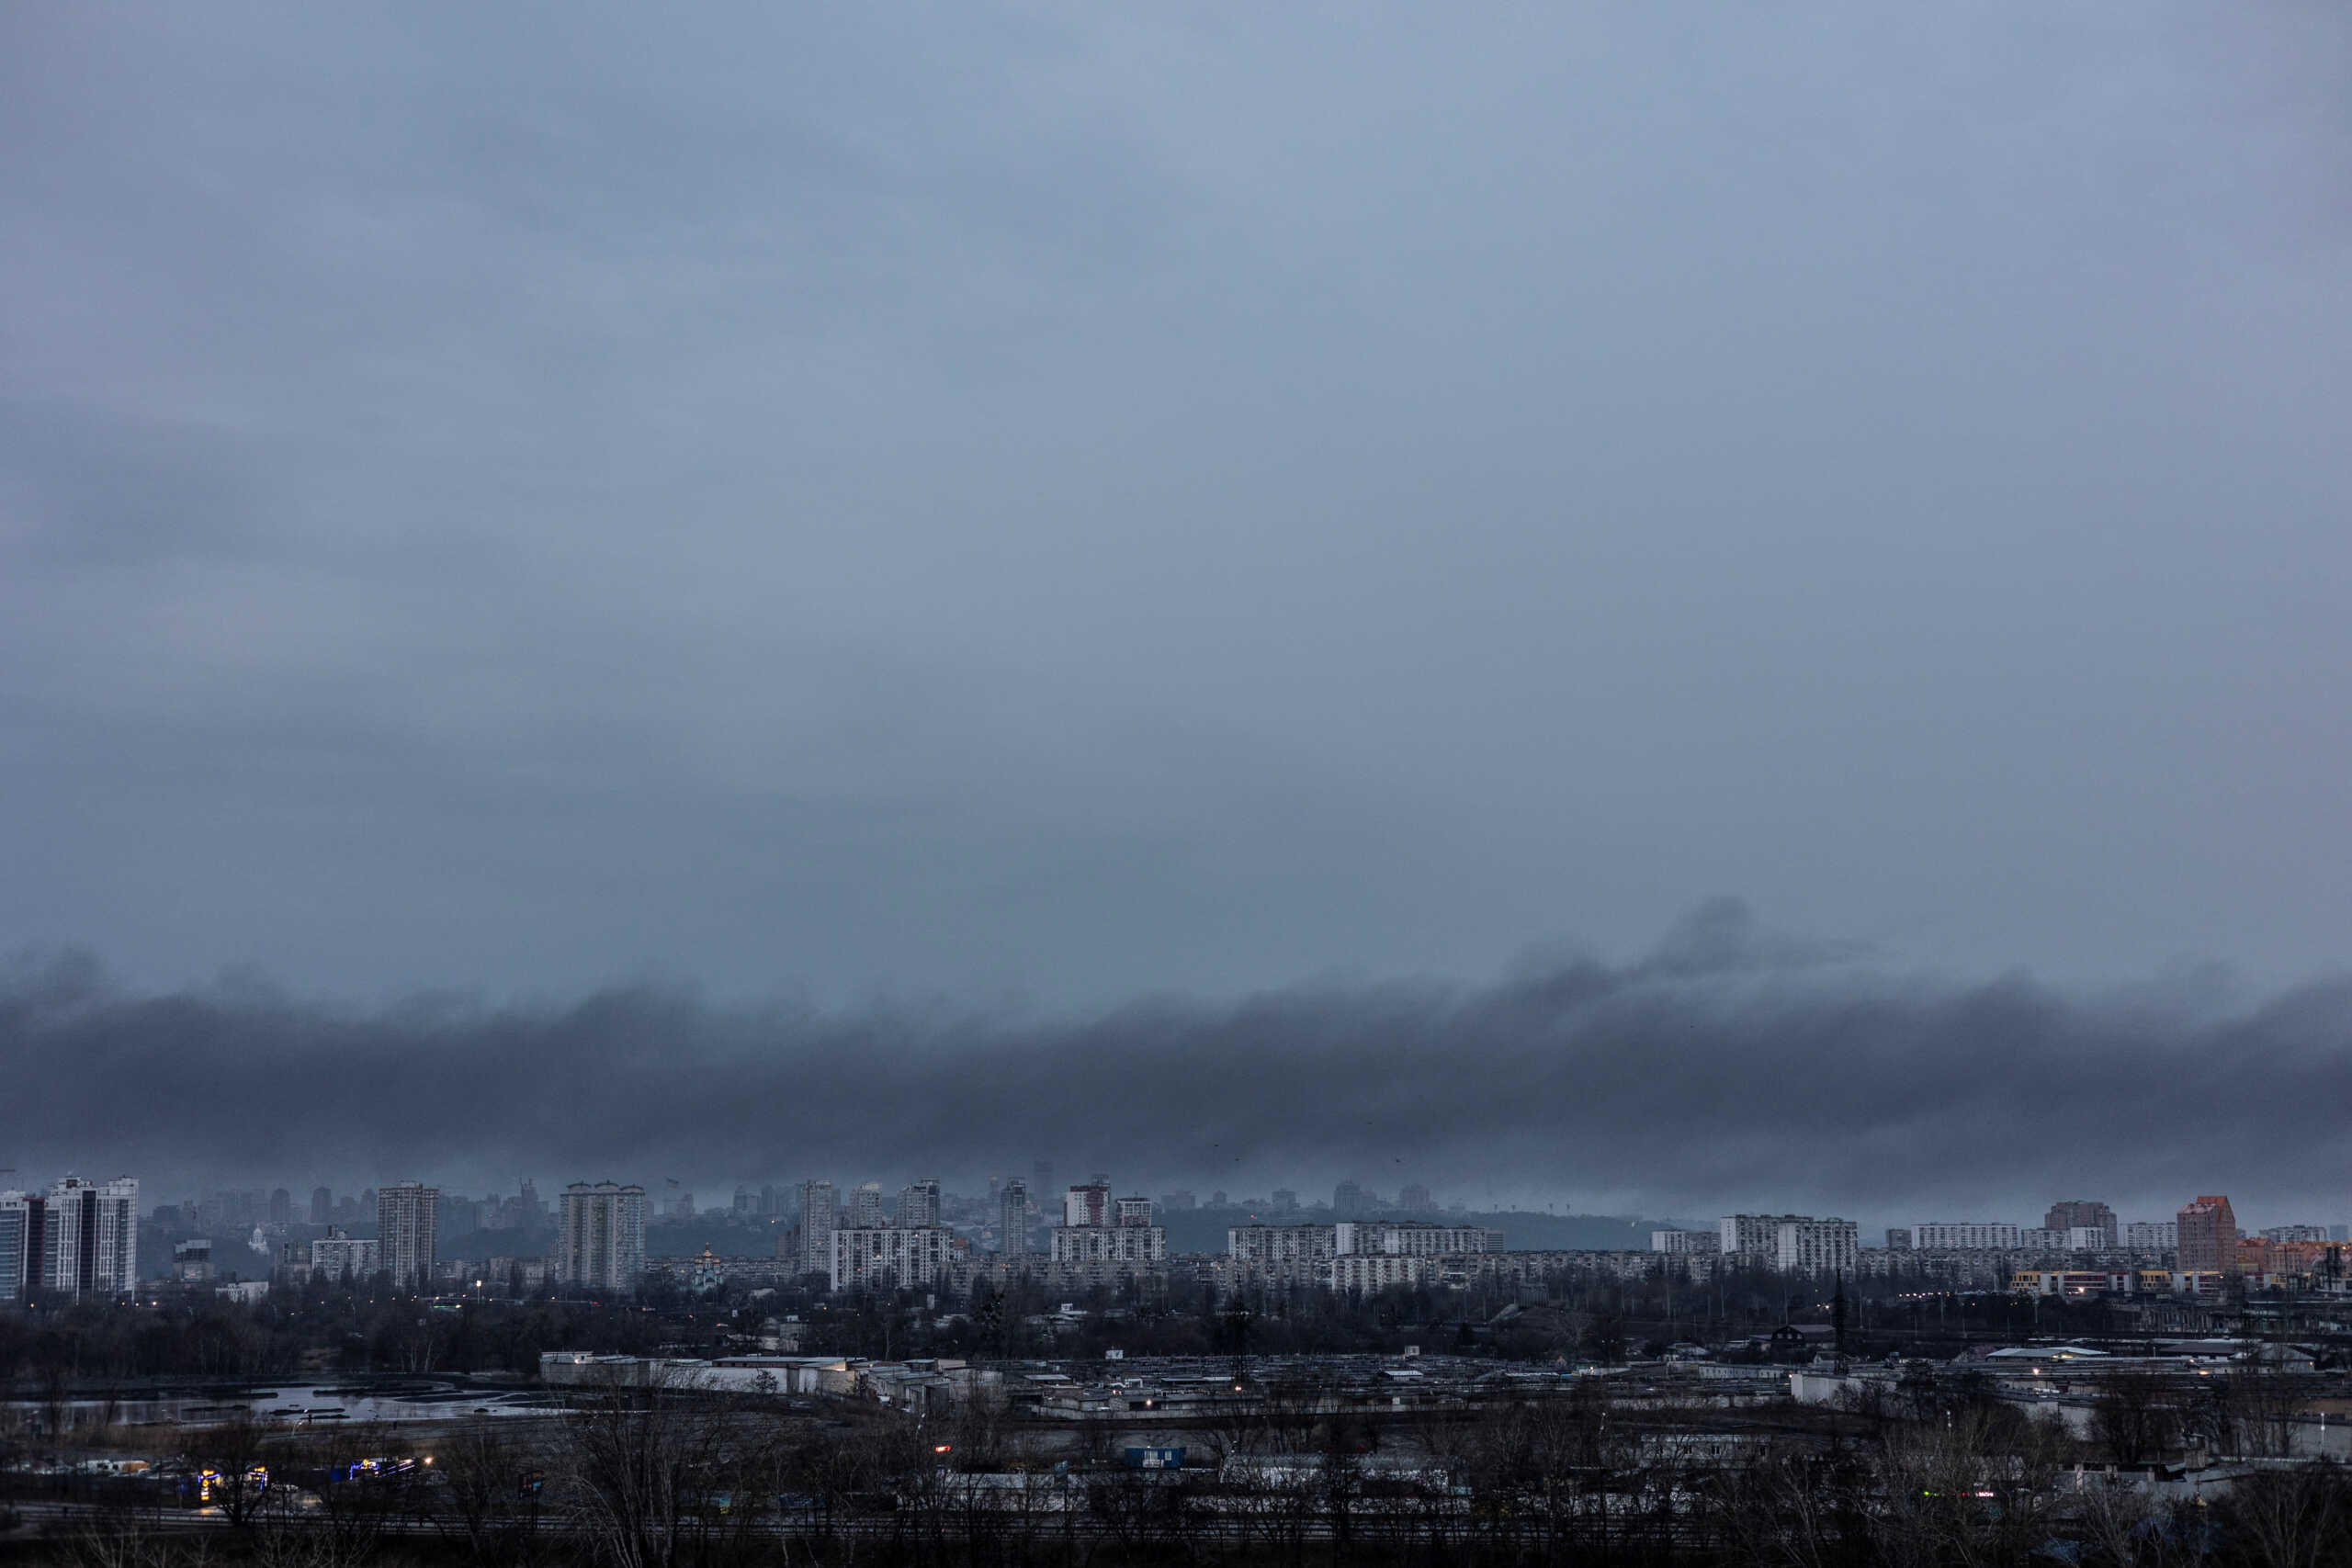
{"x":676,"y":1477}
{"x":321,"y":1331}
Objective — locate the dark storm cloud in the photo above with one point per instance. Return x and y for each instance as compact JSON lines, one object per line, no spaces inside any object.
{"x":1729,"y":1068}
{"x":1082,"y":503}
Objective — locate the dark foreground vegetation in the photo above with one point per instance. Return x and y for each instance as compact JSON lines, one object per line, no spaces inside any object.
{"x":677,"y":1477}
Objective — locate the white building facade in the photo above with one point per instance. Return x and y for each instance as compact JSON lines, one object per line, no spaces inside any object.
{"x":819,"y":1217}
{"x":1816,"y":1246}
{"x":600,"y":1236}
{"x":886,"y":1257}
{"x":1409,"y":1238}
{"x":1964,"y":1236}
{"x":1685,"y":1242}
{"x":1374,"y":1270}
{"x":337,"y":1256}
{"x":89,"y":1238}
{"x":1751,"y":1240}
{"x":407,"y":1222}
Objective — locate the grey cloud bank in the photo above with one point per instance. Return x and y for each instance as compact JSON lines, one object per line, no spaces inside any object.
{"x":1728,"y":1069}
{"x":1082,"y":504}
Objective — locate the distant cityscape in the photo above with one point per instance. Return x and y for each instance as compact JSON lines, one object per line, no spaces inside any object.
{"x":84,"y":1240}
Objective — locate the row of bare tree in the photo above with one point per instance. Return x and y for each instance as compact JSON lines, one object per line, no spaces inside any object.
{"x":678,"y":1476}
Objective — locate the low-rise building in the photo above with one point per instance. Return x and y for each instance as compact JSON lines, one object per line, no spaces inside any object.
{"x":1411,"y":1239}
{"x":2074,"y":1281}
{"x":1964,"y":1236}
{"x":337,"y":1256}
{"x":1687,"y":1241}
{"x":1372,"y":1270}
{"x":1282,"y":1245}
{"x":1109,"y":1243}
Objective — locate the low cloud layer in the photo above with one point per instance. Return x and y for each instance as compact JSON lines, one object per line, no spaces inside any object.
{"x":1728,"y":1068}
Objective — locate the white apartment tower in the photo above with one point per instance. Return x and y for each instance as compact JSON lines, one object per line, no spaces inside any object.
{"x":1088,"y":1203}
{"x":20,"y":1215}
{"x":1012,"y":1219}
{"x":1752,"y":1240}
{"x":600,"y":1236}
{"x":406,"y":1218}
{"x":819,"y":1217}
{"x":89,"y":1238}
{"x":1816,"y":1246}
{"x":919,"y":1203}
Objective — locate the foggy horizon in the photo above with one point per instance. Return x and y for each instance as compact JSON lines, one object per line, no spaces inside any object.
{"x":1730,"y":1068}
{"x":761,"y":592}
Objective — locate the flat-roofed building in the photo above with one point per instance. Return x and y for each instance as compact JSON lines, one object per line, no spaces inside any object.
{"x":886,"y":1258}
{"x":1964,"y":1236}
{"x":2208,"y":1237}
{"x":1685,"y":1241}
{"x":406,"y":1217}
{"x":89,"y":1238}
{"x":600,"y":1236}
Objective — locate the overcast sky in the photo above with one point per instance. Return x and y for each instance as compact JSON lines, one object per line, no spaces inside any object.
{"x":1073,"y":503}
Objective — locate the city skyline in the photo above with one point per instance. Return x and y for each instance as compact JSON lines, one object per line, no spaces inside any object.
{"x":1732,"y":1064}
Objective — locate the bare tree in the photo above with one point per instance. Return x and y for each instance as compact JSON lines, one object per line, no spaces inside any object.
{"x":2298,"y":1517}
{"x":642,"y":1460}
{"x":2134,"y":1419}
{"x":487,"y":1481}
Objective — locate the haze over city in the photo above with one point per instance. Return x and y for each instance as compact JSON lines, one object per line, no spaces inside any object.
{"x":1257,"y":592}
{"x":1096,"y":786}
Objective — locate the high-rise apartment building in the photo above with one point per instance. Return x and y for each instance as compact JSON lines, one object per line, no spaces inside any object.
{"x":866,"y":1207}
{"x":820,"y":1215}
{"x":2081,"y":1213}
{"x":89,"y":1238}
{"x":1088,"y":1203}
{"x":600,"y":1236}
{"x":918,"y":1203}
{"x":1818,"y":1247}
{"x":2151,"y":1235}
{"x":1416,"y":1199}
{"x":1130,"y":1211}
{"x":1348,"y":1199}
{"x":20,"y":1226}
{"x":407,"y":1231}
{"x":1751,"y":1241}
{"x":322,"y":1205}
{"x":2208,"y":1237}
{"x":1012,"y":1219}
